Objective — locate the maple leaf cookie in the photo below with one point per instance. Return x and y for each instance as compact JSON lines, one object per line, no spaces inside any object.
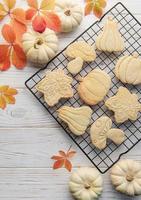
{"x":55,"y":86}
{"x":124,"y":104}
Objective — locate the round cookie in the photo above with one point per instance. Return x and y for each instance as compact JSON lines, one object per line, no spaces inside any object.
{"x":94,"y":87}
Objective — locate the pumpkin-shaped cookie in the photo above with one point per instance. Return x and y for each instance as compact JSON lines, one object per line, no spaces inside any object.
{"x":128,"y":69}
{"x":94,"y":87}
{"x":110,"y":38}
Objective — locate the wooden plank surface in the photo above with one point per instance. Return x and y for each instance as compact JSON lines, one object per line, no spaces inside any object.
{"x":29,"y":136}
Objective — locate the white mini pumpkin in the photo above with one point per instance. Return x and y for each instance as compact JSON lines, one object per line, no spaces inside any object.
{"x":70,"y":13}
{"x":86,"y":184}
{"x":110,"y":38}
{"x":40,"y":47}
{"x":128,"y":69}
{"x":126,"y":177}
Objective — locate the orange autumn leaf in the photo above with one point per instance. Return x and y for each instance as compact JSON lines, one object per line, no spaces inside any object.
{"x":68,"y":165}
{"x":52,"y":21}
{"x":4,"y":49}
{"x":62,"y":160}
{"x":19,"y":15}
{"x":30,"y":13}
{"x":12,"y":52}
{"x":7,"y":96}
{"x":88,"y":8}
{"x":18,"y":57}
{"x":96,"y":6}
{"x":97,"y":10}
{"x":42,"y":15}
{"x":33,"y":3}
{"x":8,"y":33}
{"x":15,"y":14}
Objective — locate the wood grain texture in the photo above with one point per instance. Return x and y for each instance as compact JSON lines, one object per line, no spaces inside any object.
{"x":29,"y":136}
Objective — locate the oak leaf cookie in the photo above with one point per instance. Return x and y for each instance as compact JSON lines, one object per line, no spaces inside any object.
{"x":77,"y":118}
{"x":128,"y":69}
{"x":79,"y":51}
{"x":124,"y":104}
{"x":101,"y":130}
{"x":94,"y":87}
{"x":54,"y":86}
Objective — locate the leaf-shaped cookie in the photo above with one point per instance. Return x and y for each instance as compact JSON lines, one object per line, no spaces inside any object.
{"x":124,"y":104}
{"x":54,"y":86}
{"x":101,"y":130}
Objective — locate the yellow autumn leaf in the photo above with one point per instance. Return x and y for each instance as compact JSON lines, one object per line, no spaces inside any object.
{"x":3,"y":12}
{"x":7,"y":96}
{"x":10,"y":3}
{"x":47,"y":4}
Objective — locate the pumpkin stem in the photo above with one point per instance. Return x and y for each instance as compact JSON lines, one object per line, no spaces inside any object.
{"x":87,"y":186}
{"x":135,"y":55}
{"x":129,"y":177}
{"x":39,"y":41}
{"x":67,"y":12}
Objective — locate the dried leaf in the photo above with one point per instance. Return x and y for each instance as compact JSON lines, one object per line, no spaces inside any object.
{"x":88,"y":8}
{"x":4,"y":88}
{"x":8,"y":33}
{"x":63,"y":159}
{"x":19,"y":29}
{"x":68,"y":165}
{"x":9,"y":99}
{"x":3,"y":12}
{"x":47,"y":5}
{"x":102,"y":3}
{"x":70,"y":154}
{"x":33,"y":3}
{"x":96,"y":6}
{"x":18,"y":57}
{"x":2,"y":102}
{"x":56,"y":157}
{"x":62,"y":153}
{"x":6,"y":97}
{"x":52,"y":21}
{"x":5,"y":64}
{"x":4,"y":49}
{"x":19,"y":15}
{"x":39,"y":24}
{"x":58,"y":164}
{"x":11,"y":91}
{"x":97,"y":10}
{"x":10,"y":3}
{"x":30,"y":13}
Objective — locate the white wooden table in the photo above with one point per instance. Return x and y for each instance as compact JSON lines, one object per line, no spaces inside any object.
{"x":29,"y":137}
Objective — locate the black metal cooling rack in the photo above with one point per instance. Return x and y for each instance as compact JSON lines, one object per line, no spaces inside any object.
{"x":130,"y":29}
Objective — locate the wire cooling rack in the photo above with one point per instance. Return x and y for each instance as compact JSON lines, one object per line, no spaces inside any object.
{"x":130,"y":29}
